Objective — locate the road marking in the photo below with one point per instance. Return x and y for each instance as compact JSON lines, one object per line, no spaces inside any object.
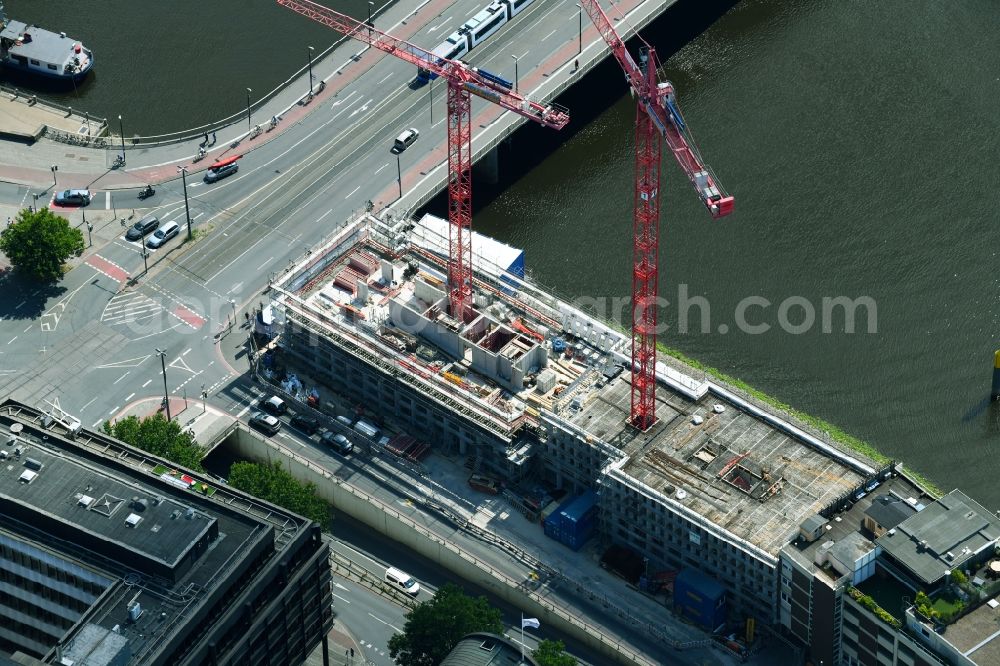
{"x":102,"y":265}
{"x":548,"y":35}
{"x":381,"y":167}
{"x":324,"y":215}
{"x":198,"y":215}
{"x":113,"y":409}
{"x":188,"y":316}
{"x":88,"y":404}
{"x":128,"y":363}
{"x":361,"y":109}
{"x":387,"y":77}
{"x":269,"y":260}
{"x":346,"y":601}
{"x":20,"y":304}
{"x":97,"y":423}
{"x":185,"y":352}
{"x":341,"y":101}
{"x":147,"y":383}
{"x":352,"y":192}
{"x":130,"y":396}
{"x":440,"y":25}
{"x":107,"y":200}
{"x":14,"y":338}
{"x":122,"y":377}
{"x":28,"y":328}
{"x":374,"y":617}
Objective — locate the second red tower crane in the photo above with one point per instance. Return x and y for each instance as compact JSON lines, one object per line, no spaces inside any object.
{"x":657,"y":119}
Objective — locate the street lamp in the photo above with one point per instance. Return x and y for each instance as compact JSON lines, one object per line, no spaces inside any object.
{"x":370,"y":5}
{"x":515,"y":72}
{"x":204,"y":397}
{"x":399,"y":176}
{"x":311,"y":49}
{"x":122,"y":132}
{"x":248,"y":108}
{"x":34,"y":208}
{"x":579,"y":49}
{"x":187,"y":210}
{"x":54,"y":169}
{"x":145,"y":264}
{"x":430,"y":99}
{"x":163,"y":364}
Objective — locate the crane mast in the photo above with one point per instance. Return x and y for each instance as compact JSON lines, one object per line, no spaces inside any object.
{"x":658,"y":119}
{"x":463,"y":82}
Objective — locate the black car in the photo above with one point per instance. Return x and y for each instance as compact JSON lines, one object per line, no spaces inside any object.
{"x":140,"y":229}
{"x":306,"y":424}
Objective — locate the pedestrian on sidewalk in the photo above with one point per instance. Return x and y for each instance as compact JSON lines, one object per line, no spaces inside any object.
{"x":213,"y":138}
{"x":576,"y":65}
{"x":205,"y":142}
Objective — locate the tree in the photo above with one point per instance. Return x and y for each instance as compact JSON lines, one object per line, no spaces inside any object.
{"x":160,"y":437}
{"x":552,"y":653}
{"x":39,"y":243}
{"x":273,"y":484}
{"x":434,"y":627}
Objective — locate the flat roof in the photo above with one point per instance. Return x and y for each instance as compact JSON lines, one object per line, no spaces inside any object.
{"x":149,"y":523}
{"x":99,"y":467}
{"x":762,"y":497}
{"x":977,"y":635}
{"x":942,"y":536}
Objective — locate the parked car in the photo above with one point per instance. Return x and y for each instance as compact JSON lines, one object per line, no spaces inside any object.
{"x":404,"y":140}
{"x":338,"y":443}
{"x":274,"y":405}
{"x":163,"y":234}
{"x":485,"y":484}
{"x":306,"y":424}
{"x":73,"y":198}
{"x":266,"y":423}
{"x":144,"y":226}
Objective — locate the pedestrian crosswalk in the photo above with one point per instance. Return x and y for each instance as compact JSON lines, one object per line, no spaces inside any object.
{"x":130,"y":308}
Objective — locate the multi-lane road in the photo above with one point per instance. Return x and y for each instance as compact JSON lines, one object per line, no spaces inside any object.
{"x":90,"y":343}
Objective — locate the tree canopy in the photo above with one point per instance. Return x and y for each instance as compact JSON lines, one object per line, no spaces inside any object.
{"x":273,"y":484}
{"x":434,"y":627}
{"x":552,"y":653}
{"x":160,"y":437}
{"x":38,"y":243}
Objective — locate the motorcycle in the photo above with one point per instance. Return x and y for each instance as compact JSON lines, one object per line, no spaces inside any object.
{"x":148,"y":192}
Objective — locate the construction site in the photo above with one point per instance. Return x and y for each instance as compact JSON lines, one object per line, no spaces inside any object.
{"x":535,"y":393}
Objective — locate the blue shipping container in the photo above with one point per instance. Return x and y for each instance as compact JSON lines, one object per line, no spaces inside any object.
{"x":700,"y":598}
{"x":573,"y":523}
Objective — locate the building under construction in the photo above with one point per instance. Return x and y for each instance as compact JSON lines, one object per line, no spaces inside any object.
{"x":535,"y":391}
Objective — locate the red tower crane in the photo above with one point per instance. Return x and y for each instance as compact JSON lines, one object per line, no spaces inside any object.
{"x":463,"y":82}
{"x":657,"y":118}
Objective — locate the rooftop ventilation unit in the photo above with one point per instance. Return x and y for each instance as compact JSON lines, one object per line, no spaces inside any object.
{"x":133,"y":520}
{"x":134,"y":611}
{"x":85,"y":501}
{"x":27,"y":476}
{"x":949,"y":556}
{"x":31,"y":463}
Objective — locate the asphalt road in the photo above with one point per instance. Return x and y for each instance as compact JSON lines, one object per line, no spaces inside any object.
{"x":289,"y":194}
{"x":90,"y":345}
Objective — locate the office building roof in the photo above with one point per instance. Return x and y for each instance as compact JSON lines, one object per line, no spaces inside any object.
{"x":942,"y":537}
{"x":889,"y":511}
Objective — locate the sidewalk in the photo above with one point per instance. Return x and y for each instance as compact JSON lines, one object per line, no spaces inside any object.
{"x":30,"y":165}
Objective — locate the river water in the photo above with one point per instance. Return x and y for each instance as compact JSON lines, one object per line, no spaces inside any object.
{"x":860,"y":139}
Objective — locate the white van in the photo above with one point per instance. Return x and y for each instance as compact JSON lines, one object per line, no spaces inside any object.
{"x":403,"y":581}
{"x":405,"y":140}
